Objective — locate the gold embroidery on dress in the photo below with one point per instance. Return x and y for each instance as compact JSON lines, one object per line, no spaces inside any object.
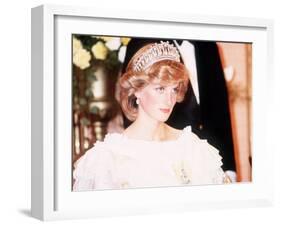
{"x":182,"y":171}
{"x":124,"y":184}
{"x":226,"y":179}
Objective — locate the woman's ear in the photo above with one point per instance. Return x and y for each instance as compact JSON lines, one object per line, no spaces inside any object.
{"x":137,"y":94}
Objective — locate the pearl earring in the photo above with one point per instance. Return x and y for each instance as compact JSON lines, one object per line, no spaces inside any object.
{"x":137,"y":101}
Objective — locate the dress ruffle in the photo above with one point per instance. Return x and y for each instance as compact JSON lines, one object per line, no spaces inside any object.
{"x":121,"y":162}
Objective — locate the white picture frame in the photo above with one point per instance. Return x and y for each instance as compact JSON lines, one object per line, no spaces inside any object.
{"x":52,"y":197}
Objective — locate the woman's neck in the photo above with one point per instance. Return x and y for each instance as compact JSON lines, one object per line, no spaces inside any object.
{"x":148,"y":129}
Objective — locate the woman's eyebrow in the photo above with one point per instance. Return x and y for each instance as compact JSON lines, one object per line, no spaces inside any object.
{"x":174,"y":85}
{"x":165,"y":85}
{"x":157,"y":84}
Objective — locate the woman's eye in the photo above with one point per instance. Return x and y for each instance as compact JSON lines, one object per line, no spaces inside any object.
{"x":176,"y":90}
{"x":160,"y":89}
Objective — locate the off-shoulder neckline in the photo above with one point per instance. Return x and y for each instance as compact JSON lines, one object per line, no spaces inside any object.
{"x":110,"y":136}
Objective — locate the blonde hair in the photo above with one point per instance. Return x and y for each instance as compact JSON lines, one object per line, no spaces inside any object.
{"x":166,"y":71}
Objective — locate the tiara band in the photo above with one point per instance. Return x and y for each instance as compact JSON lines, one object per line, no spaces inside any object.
{"x":157,"y":52}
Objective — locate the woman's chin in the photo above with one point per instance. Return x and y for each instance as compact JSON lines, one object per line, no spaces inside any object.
{"x":163,"y":119}
{"x":160,"y":117}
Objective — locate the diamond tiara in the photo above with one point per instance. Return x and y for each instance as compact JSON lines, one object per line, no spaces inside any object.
{"x":157,"y":52}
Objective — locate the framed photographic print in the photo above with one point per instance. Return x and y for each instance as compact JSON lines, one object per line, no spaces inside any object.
{"x":136,"y":113}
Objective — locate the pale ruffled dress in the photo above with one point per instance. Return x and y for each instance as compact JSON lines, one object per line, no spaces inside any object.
{"x":120,"y":162}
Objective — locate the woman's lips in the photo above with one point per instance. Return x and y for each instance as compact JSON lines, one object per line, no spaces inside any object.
{"x":165,"y":110}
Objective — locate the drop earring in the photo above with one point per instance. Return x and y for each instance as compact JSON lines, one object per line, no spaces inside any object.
{"x":137,"y":101}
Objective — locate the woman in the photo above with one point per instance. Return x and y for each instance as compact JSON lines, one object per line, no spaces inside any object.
{"x":149,"y":153}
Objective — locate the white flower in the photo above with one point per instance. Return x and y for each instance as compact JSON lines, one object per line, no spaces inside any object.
{"x":121,"y":54}
{"x":82,"y":58}
{"x":113,"y":44}
{"x":99,"y":50}
{"x":76,"y":44}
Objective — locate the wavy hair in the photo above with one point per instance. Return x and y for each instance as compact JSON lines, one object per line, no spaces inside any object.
{"x":165,"y":71}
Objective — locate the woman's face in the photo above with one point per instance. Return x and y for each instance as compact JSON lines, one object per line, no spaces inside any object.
{"x":157,"y":100}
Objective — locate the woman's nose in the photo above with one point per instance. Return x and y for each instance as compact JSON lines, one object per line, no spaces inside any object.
{"x":170,"y":98}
